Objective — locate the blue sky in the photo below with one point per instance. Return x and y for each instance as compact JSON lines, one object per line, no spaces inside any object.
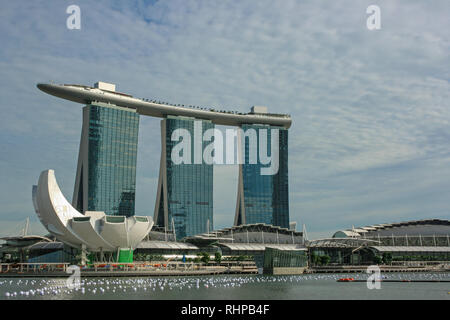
{"x":371,"y":119}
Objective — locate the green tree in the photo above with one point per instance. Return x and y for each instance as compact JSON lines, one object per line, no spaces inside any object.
{"x":198,"y":258}
{"x":377,"y":259}
{"x":315,"y":259}
{"x":218,"y":257}
{"x":324,"y":260}
{"x":205,"y":257}
{"x":387,"y":257}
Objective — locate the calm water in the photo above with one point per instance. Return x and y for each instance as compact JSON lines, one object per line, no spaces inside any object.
{"x":319,"y":286}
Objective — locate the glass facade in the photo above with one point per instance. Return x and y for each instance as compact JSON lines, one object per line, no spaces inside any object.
{"x":266,"y":197}
{"x":110,"y":141}
{"x":274,"y":258}
{"x":189,"y":186}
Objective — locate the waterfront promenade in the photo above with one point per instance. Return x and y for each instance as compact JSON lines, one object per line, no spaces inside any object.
{"x":175,"y":268}
{"x":22,"y":270}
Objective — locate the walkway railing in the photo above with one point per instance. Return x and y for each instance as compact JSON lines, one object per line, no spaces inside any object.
{"x":35,"y":267}
{"x":155,"y":266}
{"x":142,"y":266}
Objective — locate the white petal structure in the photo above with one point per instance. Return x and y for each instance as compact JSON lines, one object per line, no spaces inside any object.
{"x":94,"y":229}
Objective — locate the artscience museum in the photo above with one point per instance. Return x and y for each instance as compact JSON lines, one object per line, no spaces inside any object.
{"x":93,"y":230}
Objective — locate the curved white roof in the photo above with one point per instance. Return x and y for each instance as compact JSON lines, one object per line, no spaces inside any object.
{"x":410,"y":249}
{"x":414,"y":227}
{"x":345,"y":233}
{"x":261,"y":246}
{"x":95,"y":230}
{"x":155,"y":244}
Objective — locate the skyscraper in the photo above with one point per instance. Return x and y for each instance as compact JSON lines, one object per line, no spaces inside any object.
{"x":185,"y":190}
{"x":106,"y":172}
{"x":263,"y":198}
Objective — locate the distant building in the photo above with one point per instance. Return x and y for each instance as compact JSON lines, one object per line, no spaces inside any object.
{"x":250,"y":239}
{"x":417,"y":240}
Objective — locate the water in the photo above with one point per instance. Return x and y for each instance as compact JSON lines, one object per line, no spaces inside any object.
{"x":251,"y":287}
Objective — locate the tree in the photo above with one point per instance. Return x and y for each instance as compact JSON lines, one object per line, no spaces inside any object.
{"x":377,"y":259}
{"x":324,"y":260}
{"x":387,"y":258}
{"x":198,"y":258}
{"x":315,"y":259}
{"x":218,"y":257}
{"x":205,"y":257}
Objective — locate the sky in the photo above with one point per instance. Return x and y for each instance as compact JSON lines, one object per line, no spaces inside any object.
{"x":370,"y":135}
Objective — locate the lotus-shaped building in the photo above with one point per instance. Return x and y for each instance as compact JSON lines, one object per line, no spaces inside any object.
{"x":93,"y":230}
